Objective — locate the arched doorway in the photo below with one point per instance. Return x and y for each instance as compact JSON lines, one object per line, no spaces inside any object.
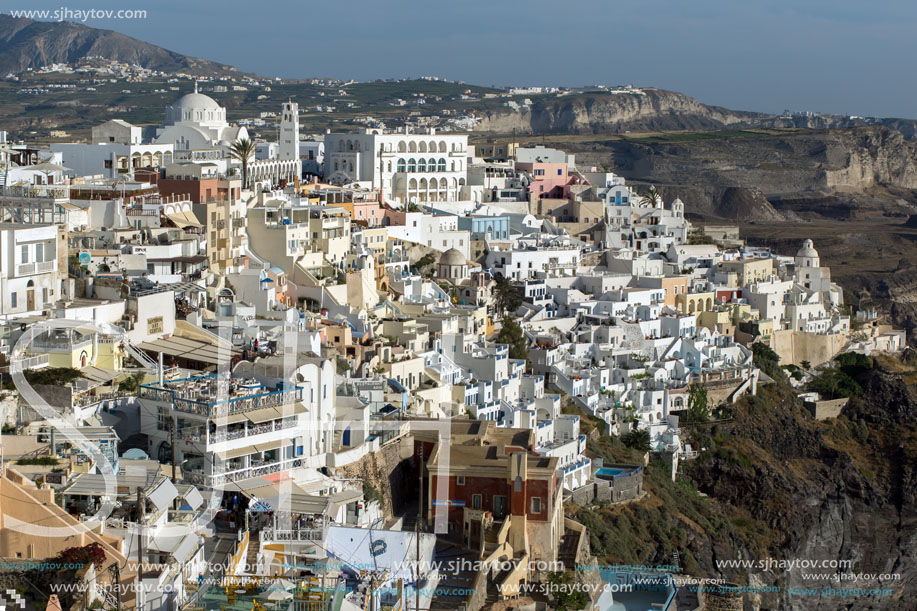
{"x":30,"y":295}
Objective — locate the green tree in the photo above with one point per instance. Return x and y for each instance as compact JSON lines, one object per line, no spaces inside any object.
{"x":506,"y":297}
{"x":767,"y":360}
{"x":512,"y":335}
{"x":637,"y":439}
{"x":698,"y":410}
{"x":242,"y":150}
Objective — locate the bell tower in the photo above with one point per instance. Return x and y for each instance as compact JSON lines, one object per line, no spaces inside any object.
{"x":289,"y":132}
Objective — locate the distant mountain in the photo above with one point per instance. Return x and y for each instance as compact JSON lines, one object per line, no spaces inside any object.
{"x":25,"y":43}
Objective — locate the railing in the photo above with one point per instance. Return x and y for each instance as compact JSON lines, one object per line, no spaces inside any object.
{"x":36,"y":192}
{"x":250,"y":472}
{"x":297,"y":534}
{"x":24,"y":269}
{"x":64,"y":344}
{"x":29,"y":362}
{"x":215,"y":409}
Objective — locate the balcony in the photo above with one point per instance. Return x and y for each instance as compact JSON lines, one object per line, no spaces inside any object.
{"x":196,"y":396}
{"x":276,"y":535}
{"x":259,"y":429}
{"x":218,"y":479}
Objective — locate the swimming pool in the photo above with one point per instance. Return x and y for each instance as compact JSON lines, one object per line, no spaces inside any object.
{"x":608,"y":472}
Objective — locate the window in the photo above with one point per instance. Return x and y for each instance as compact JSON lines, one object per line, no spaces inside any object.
{"x":25,"y":253}
{"x":40,"y":253}
{"x":560,"y":172}
{"x":536,"y":504}
{"x":476,"y":501}
{"x":107,"y":164}
{"x":13,"y":300}
{"x":460,"y":480}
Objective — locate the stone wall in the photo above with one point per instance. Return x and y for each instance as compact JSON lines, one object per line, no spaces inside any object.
{"x":822,"y":410}
{"x":621,"y":489}
{"x":388,"y":471}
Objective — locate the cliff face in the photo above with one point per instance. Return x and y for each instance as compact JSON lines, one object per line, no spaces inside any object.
{"x":823,"y":492}
{"x":656,"y":109}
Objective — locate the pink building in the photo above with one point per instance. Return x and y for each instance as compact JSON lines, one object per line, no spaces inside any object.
{"x":551,"y":180}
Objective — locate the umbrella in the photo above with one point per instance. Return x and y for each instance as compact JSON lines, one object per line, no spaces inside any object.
{"x":284,"y":584}
{"x":275,"y":594}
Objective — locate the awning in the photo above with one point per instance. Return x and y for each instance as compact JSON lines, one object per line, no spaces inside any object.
{"x":193,"y":498}
{"x":98,"y":375}
{"x":263,"y":415}
{"x":163,"y":495}
{"x":184,"y":219}
{"x":191,"y":349}
{"x":237,"y":452}
{"x":231,"y":419}
{"x":272,"y":413}
{"x":272,"y":445}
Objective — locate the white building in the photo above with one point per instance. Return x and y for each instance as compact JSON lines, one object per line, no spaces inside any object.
{"x":409,"y":168}
{"x":28,"y":268}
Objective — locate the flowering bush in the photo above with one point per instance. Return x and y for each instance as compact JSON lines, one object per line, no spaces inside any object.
{"x":93,"y":553}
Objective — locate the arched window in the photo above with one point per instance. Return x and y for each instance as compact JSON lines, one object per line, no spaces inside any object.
{"x":431,"y":165}
{"x":422,"y":147}
{"x":341,"y":145}
{"x":412,"y":165}
{"x":402,"y":147}
{"x":432,"y":148}
{"x":349,"y":145}
{"x":442,"y":164}
{"x":442,"y":184}
{"x":442,"y":146}
{"x":412,"y":147}
{"x":422,"y":165}
{"x":400,"y":166}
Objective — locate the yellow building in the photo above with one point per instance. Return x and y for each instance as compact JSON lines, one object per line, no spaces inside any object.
{"x":692,"y":303}
{"x":79,"y":349}
{"x":749,"y":271}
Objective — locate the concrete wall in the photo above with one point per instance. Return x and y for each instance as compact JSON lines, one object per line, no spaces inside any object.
{"x":822,"y":410}
{"x":797,"y":346}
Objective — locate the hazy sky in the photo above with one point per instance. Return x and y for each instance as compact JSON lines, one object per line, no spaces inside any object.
{"x":840,"y":56}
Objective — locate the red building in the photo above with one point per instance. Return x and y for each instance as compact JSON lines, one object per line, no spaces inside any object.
{"x":488,"y":478}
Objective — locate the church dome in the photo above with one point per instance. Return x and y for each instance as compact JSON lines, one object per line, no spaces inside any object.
{"x":195,"y":101}
{"x":452,"y":257}
{"x":808,"y":250}
{"x":197,"y":109}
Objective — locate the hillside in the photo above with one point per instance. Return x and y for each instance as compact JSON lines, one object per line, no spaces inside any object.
{"x":25,"y":44}
{"x":774,"y":483}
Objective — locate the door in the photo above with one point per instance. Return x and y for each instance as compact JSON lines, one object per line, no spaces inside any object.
{"x":499,"y":507}
{"x":30,"y":299}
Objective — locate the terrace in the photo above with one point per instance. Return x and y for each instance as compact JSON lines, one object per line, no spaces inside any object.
{"x":214,"y":396}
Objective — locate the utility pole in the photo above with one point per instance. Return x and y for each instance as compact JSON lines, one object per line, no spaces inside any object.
{"x":417,"y":530}
{"x":172,"y":444}
{"x":140,"y":521}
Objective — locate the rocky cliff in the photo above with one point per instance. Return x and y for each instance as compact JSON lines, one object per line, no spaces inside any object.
{"x":654,"y":109}
{"x":773,"y":485}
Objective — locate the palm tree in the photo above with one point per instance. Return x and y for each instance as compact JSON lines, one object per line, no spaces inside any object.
{"x":653,"y":196}
{"x":243,"y":150}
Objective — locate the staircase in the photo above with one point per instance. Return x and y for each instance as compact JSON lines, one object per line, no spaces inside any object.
{"x":251,"y":556}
